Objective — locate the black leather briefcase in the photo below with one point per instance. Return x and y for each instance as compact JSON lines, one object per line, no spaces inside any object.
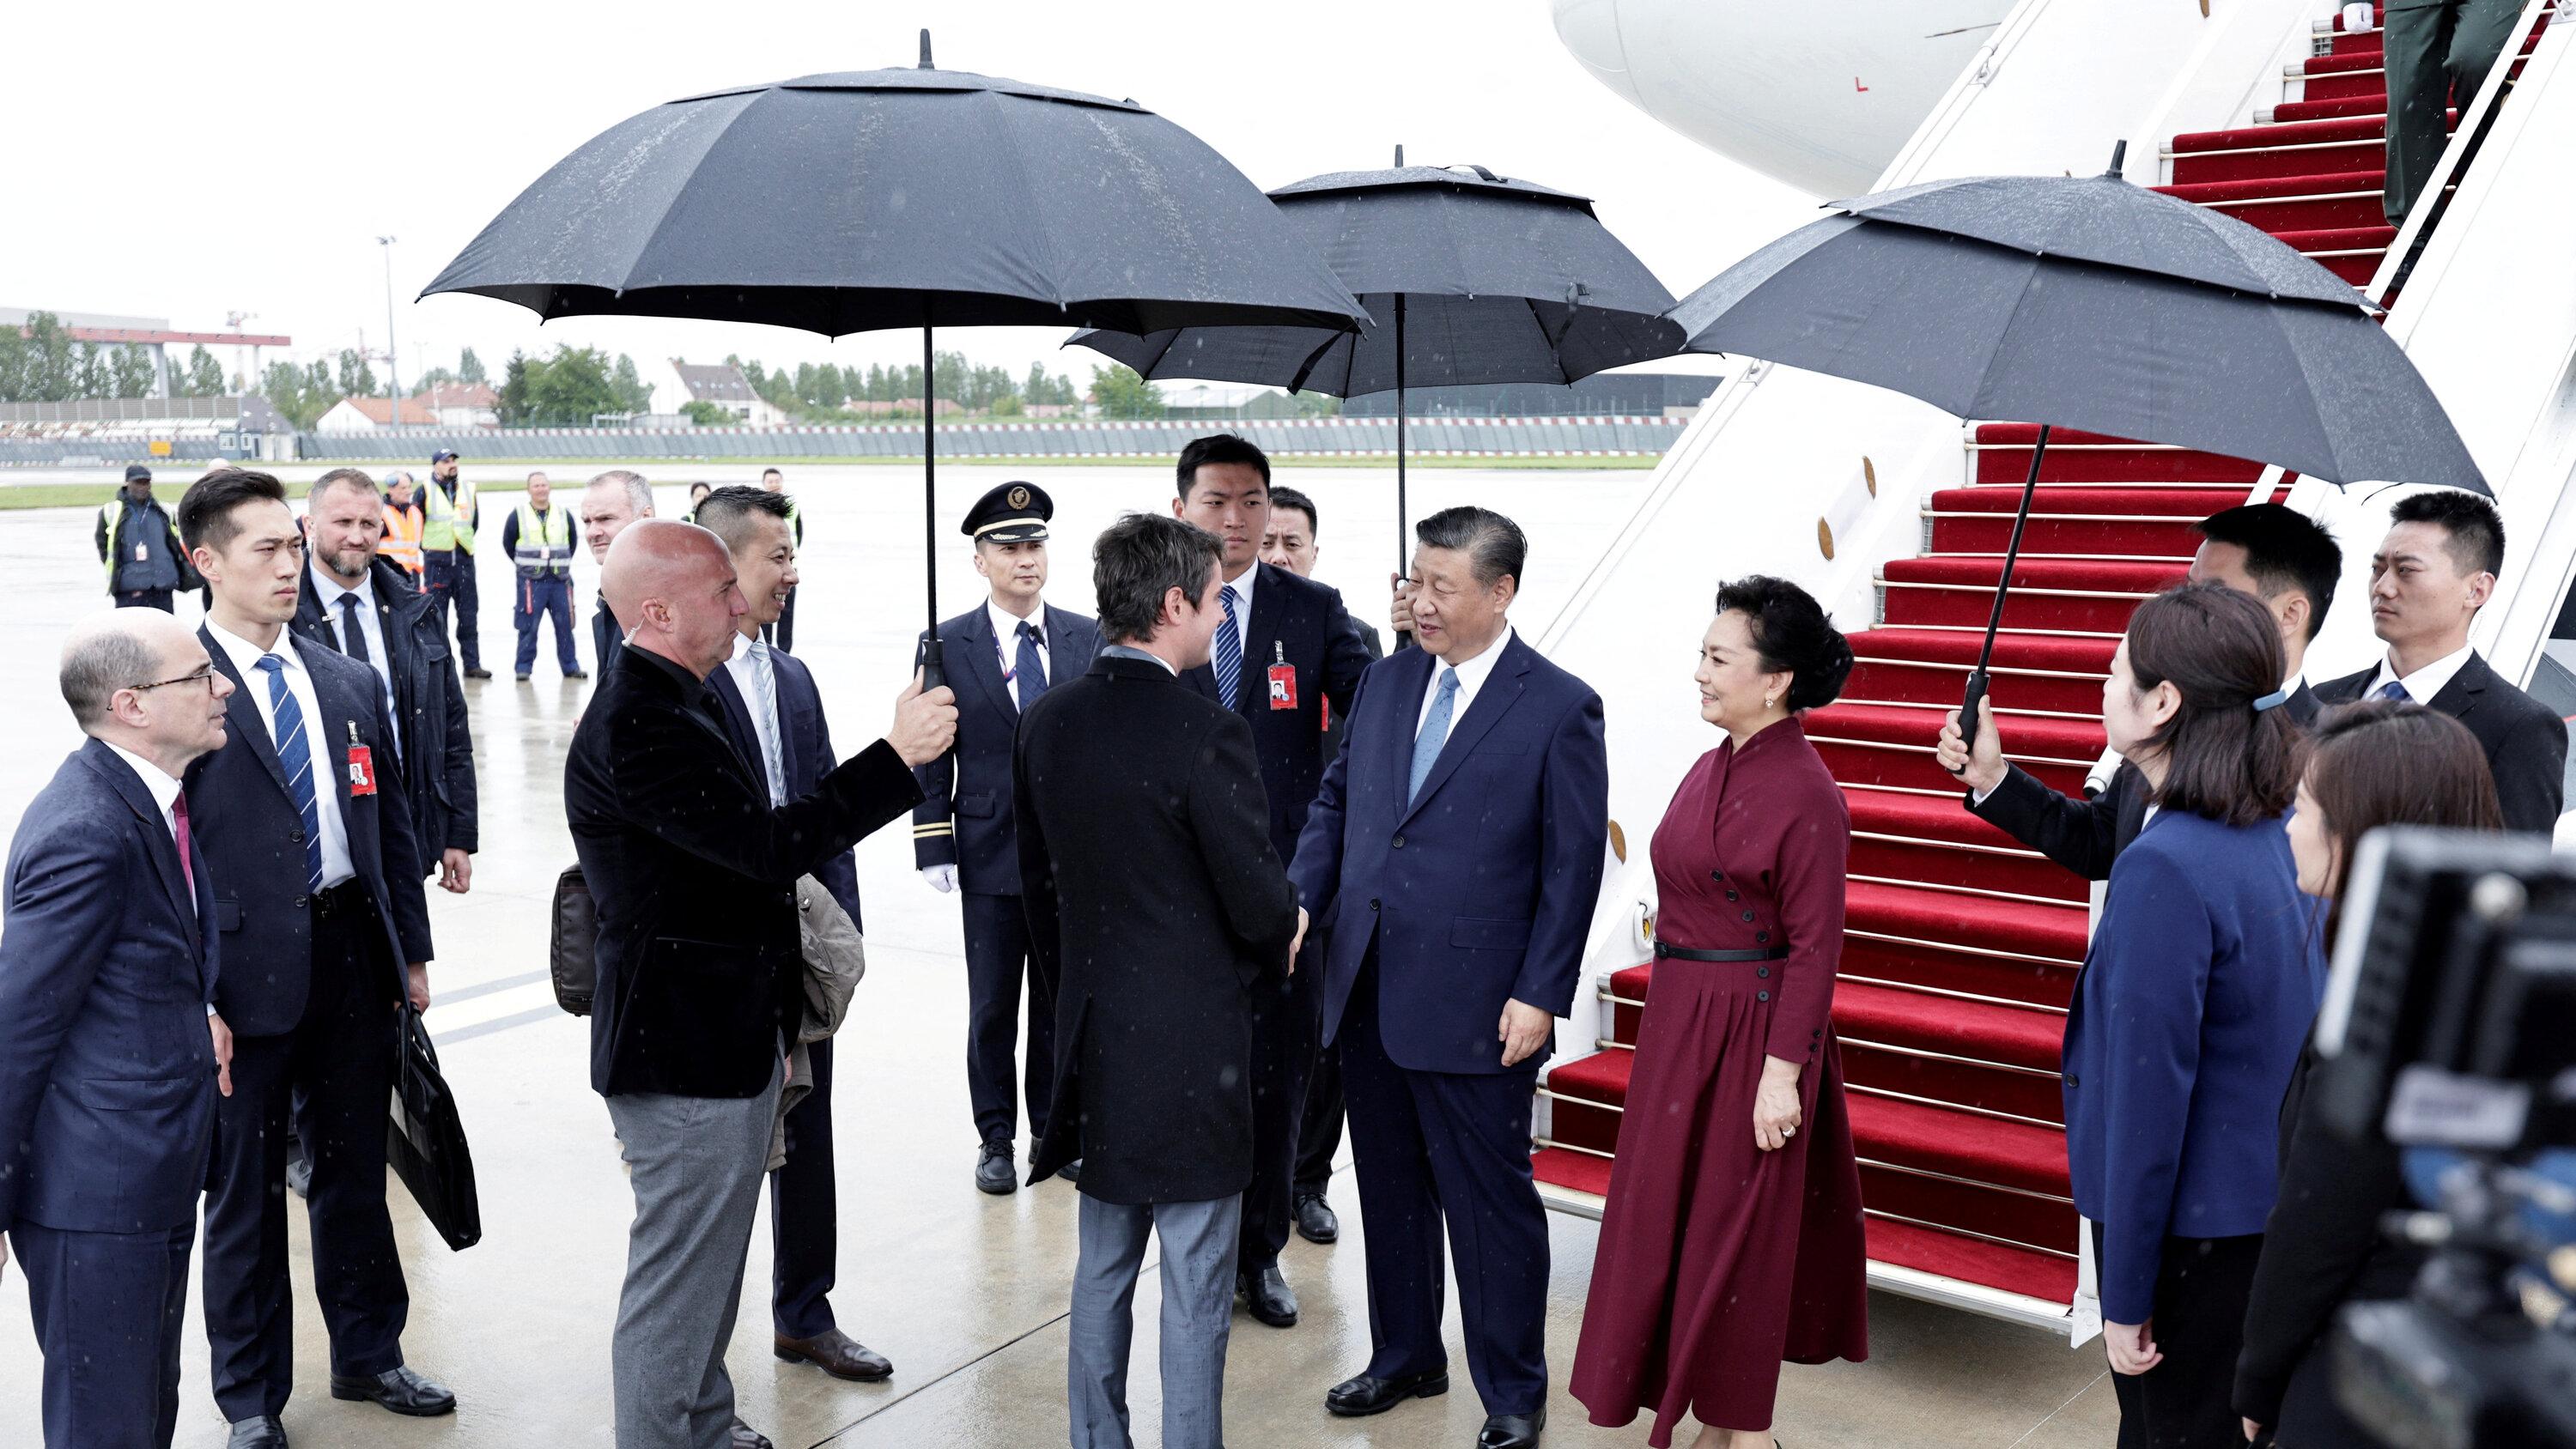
{"x":425,"y":1140}
{"x":573,"y":951}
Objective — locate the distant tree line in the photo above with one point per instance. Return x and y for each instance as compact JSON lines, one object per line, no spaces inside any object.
{"x":822,"y":392}
{"x":41,"y":362}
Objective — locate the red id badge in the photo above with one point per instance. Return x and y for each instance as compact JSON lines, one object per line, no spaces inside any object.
{"x":1283,"y":686}
{"x":362,"y":765}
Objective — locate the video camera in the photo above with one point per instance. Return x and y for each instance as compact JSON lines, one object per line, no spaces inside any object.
{"x":2449,"y":1029}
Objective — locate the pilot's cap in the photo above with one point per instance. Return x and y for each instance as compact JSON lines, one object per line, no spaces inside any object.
{"x":1010,"y":513}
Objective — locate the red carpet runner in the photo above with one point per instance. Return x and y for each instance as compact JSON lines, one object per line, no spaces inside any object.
{"x":1962,"y":946}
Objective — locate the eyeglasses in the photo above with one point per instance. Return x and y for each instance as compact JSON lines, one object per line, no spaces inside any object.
{"x":205,"y":676}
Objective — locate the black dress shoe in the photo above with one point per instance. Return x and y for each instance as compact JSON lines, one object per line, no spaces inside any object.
{"x":837,"y":1354}
{"x":747,"y":1437}
{"x":478,"y":672}
{"x":994,"y":1172}
{"x":585,"y":674}
{"x":1512,"y":1431}
{"x":1071,"y":1171}
{"x":263,"y":1432}
{"x":1269,"y":1297}
{"x":398,"y":1389}
{"x":1354,"y":1398}
{"x":1315,"y":1220}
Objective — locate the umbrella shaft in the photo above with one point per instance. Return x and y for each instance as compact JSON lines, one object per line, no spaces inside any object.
{"x":1403,"y":556}
{"x":2012,"y":555}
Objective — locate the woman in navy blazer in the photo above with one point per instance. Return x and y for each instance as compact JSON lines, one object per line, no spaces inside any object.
{"x":2203,"y":977}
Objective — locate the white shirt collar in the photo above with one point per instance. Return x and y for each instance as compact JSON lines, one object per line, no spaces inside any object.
{"x":1006,"y":625}
{"x":163,"y":785}
{"x":331,"y":590}
{"x":1243,"y":595}
{"x":742,"y":643}
{"x":1472,"y":674}
{"x":2426,"y":682}
{"x":246,"y":656}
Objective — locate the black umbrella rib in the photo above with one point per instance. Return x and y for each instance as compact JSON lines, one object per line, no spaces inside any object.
{"x":1019,"y":166}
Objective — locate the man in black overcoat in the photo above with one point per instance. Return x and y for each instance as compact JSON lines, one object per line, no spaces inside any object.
{"x":1156,"y":903}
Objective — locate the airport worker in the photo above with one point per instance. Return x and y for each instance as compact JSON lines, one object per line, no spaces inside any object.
{"x":1286,"y":652}
{"x":398,"y":534}
{"x":357,"y":602}
{"x":451,"y":514}
{"x":774,"y":714}
{"x":693,"y":871}
{"x":325,"y":932}
{"x":1002,"y":656}
{"x":138,"y":544}
{"x":538,"y":539}
{"x":1156,"y":903}
{"x":109,"y":1068}
{"x":1456,"y":847}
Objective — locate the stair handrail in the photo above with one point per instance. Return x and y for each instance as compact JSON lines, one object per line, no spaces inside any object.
{"x":2457,"y":153}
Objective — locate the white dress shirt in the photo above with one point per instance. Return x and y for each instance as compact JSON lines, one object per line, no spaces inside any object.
{"x":1472,"y":674}
{"x":2424,"y":683}
{"x":1243,"y":613}
{"x":1006,"y":643}
{"x":745,"y":670}
{"x":326,"y":741}
{"x":370,"y":626}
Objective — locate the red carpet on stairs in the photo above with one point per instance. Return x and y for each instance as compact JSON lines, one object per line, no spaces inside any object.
{"x":1961,"y":946}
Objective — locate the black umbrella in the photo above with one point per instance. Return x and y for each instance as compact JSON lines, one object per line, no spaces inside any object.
{"x":2088,"y":303}
{"x":1487,"y":278}
{"x":902,"y":198}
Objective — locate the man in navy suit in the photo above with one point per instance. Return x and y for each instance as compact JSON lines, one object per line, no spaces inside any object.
{"x":1456,"y":847}
{"x":318,"y":899}
{"x":107,"y":1062}
{"x":774,"y":715}
{"x":1285,"y":652}
{"x":1001,"y":658}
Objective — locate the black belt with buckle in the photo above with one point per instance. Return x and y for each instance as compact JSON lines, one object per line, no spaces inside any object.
{"x":1687,"y":953}
{"x":348,"y":895}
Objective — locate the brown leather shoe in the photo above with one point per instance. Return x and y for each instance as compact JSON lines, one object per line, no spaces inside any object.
{"x":837,"y":1354}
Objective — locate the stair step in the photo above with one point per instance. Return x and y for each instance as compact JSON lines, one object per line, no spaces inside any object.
{"x":2294,"y":203}
{"x":1971,"y":945}
{"x":2026,"y":1271}
{"x":2088,"y":595}
{"x":2075,"y":741}
{"x":1930,"y":667}
{"x":2001,"y":453}
{"x":1976,"y":1031}
{"x":1933,"y":840}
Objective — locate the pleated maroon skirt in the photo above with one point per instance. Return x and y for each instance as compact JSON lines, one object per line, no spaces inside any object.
{"x":1719,"y":1261}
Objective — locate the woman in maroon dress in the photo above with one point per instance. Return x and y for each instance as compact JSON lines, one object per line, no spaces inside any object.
{"x":1732,"y":1240}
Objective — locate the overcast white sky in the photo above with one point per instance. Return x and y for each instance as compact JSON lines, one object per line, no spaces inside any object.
{"x":186,"y":160}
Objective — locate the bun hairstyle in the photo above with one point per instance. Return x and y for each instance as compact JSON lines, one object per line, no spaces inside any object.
{"x":1793,"y":635}
{"x":2224,"y":758}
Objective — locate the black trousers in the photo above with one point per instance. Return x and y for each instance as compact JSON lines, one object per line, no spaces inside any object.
{"x":449,"y":578}
{"x":108,"y":1311}
{"x":146,"y":599}
{"x":2202,"y":1287}
{"x":1319,"y":1136}
{"x":1287,"y":1025}
{"x":335,"y":1073}
{"x":998,"y":958}
{"x":804,"y":1205}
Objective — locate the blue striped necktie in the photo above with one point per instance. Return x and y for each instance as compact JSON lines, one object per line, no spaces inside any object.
{"x":1435,"y":733}
{"x":2394,"y":690}
{"x":1229,"y":653}
{"x":295,"y":756}
{"x":1028,"y":668}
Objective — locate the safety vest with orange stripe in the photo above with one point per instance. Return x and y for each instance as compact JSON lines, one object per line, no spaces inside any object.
{"x":401,"y":542}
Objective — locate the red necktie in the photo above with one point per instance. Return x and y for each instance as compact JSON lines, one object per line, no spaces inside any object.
{"x":187,"y":852}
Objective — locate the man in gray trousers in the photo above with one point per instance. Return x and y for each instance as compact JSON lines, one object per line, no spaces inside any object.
{"x":693,"y":871}
{"x":1154,"y":901}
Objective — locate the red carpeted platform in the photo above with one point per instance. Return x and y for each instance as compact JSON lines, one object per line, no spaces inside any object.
{"x":1961,"y":946}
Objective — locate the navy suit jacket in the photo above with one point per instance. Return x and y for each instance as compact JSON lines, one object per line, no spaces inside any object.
{"x":247,"y":824}
{"x":2525,"y":741}
{"x":429,"y":707}
{"x":805,"y":747}
{"x":1479,"y":891}
{"x":2196,"y":995}
{"x":107,"y":1072}
{"x":1300,"y":623}
{"x":966,"y":816}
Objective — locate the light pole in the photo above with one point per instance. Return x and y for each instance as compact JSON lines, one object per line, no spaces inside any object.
{"x":393,"y":367}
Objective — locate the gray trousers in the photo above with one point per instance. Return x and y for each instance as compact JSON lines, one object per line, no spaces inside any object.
{"x":696,"y":1164}
{"x":2437,"y":53}
{"x":1198,"y":1314}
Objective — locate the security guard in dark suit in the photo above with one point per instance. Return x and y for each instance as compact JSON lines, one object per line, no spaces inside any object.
{"x":1000,"y":658}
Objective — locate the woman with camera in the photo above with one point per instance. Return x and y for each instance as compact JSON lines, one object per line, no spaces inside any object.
{"x":1732,"y":1237}
{"x":2199,"y":987}
{"x":2368,"y":765}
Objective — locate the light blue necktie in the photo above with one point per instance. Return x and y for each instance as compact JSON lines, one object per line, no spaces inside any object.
{"x":1435,"y":733}
{"x":1229,"y":653}
{"x":2394,"y":690}
{"x":761,"y":666}
{"x":294,"y":756}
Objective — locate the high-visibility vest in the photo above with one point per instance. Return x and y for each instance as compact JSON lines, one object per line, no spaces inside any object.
{"x":112,"y":518}
{"x":401,"y":542}
{"x":450,"y":523}
{"x":545,"y":542}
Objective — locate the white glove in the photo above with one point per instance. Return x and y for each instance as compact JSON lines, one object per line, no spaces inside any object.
{"x":942,"y":878}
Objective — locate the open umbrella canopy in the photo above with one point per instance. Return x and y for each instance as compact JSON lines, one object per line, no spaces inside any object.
{"x":901,"y":198}
{"x":1502,"y":280}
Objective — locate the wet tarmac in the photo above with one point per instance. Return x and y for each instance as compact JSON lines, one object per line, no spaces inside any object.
{"x":966,"y":1293}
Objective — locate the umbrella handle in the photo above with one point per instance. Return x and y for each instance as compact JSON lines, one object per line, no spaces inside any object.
{"x":934,"y":670}
{"x":1968,"y":708}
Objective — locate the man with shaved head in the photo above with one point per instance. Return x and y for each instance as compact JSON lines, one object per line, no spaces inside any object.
{"x":109,"y":1061}
{"x":693,"y":862}
{"x":611,"y":504}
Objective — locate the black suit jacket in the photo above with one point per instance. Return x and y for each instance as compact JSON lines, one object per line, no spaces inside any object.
{"x":805,"y":743}
{"x":605,"y":634}
{"x":429,"y":707}
{"x":693,"y":874}
{"x":965,"y":816}
{"x":2525,"y":742}
{"x":2085,"y":835}
{"x":247,"y":827}
{"x":1154,"y":900}
{"x":1303,"y":624}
